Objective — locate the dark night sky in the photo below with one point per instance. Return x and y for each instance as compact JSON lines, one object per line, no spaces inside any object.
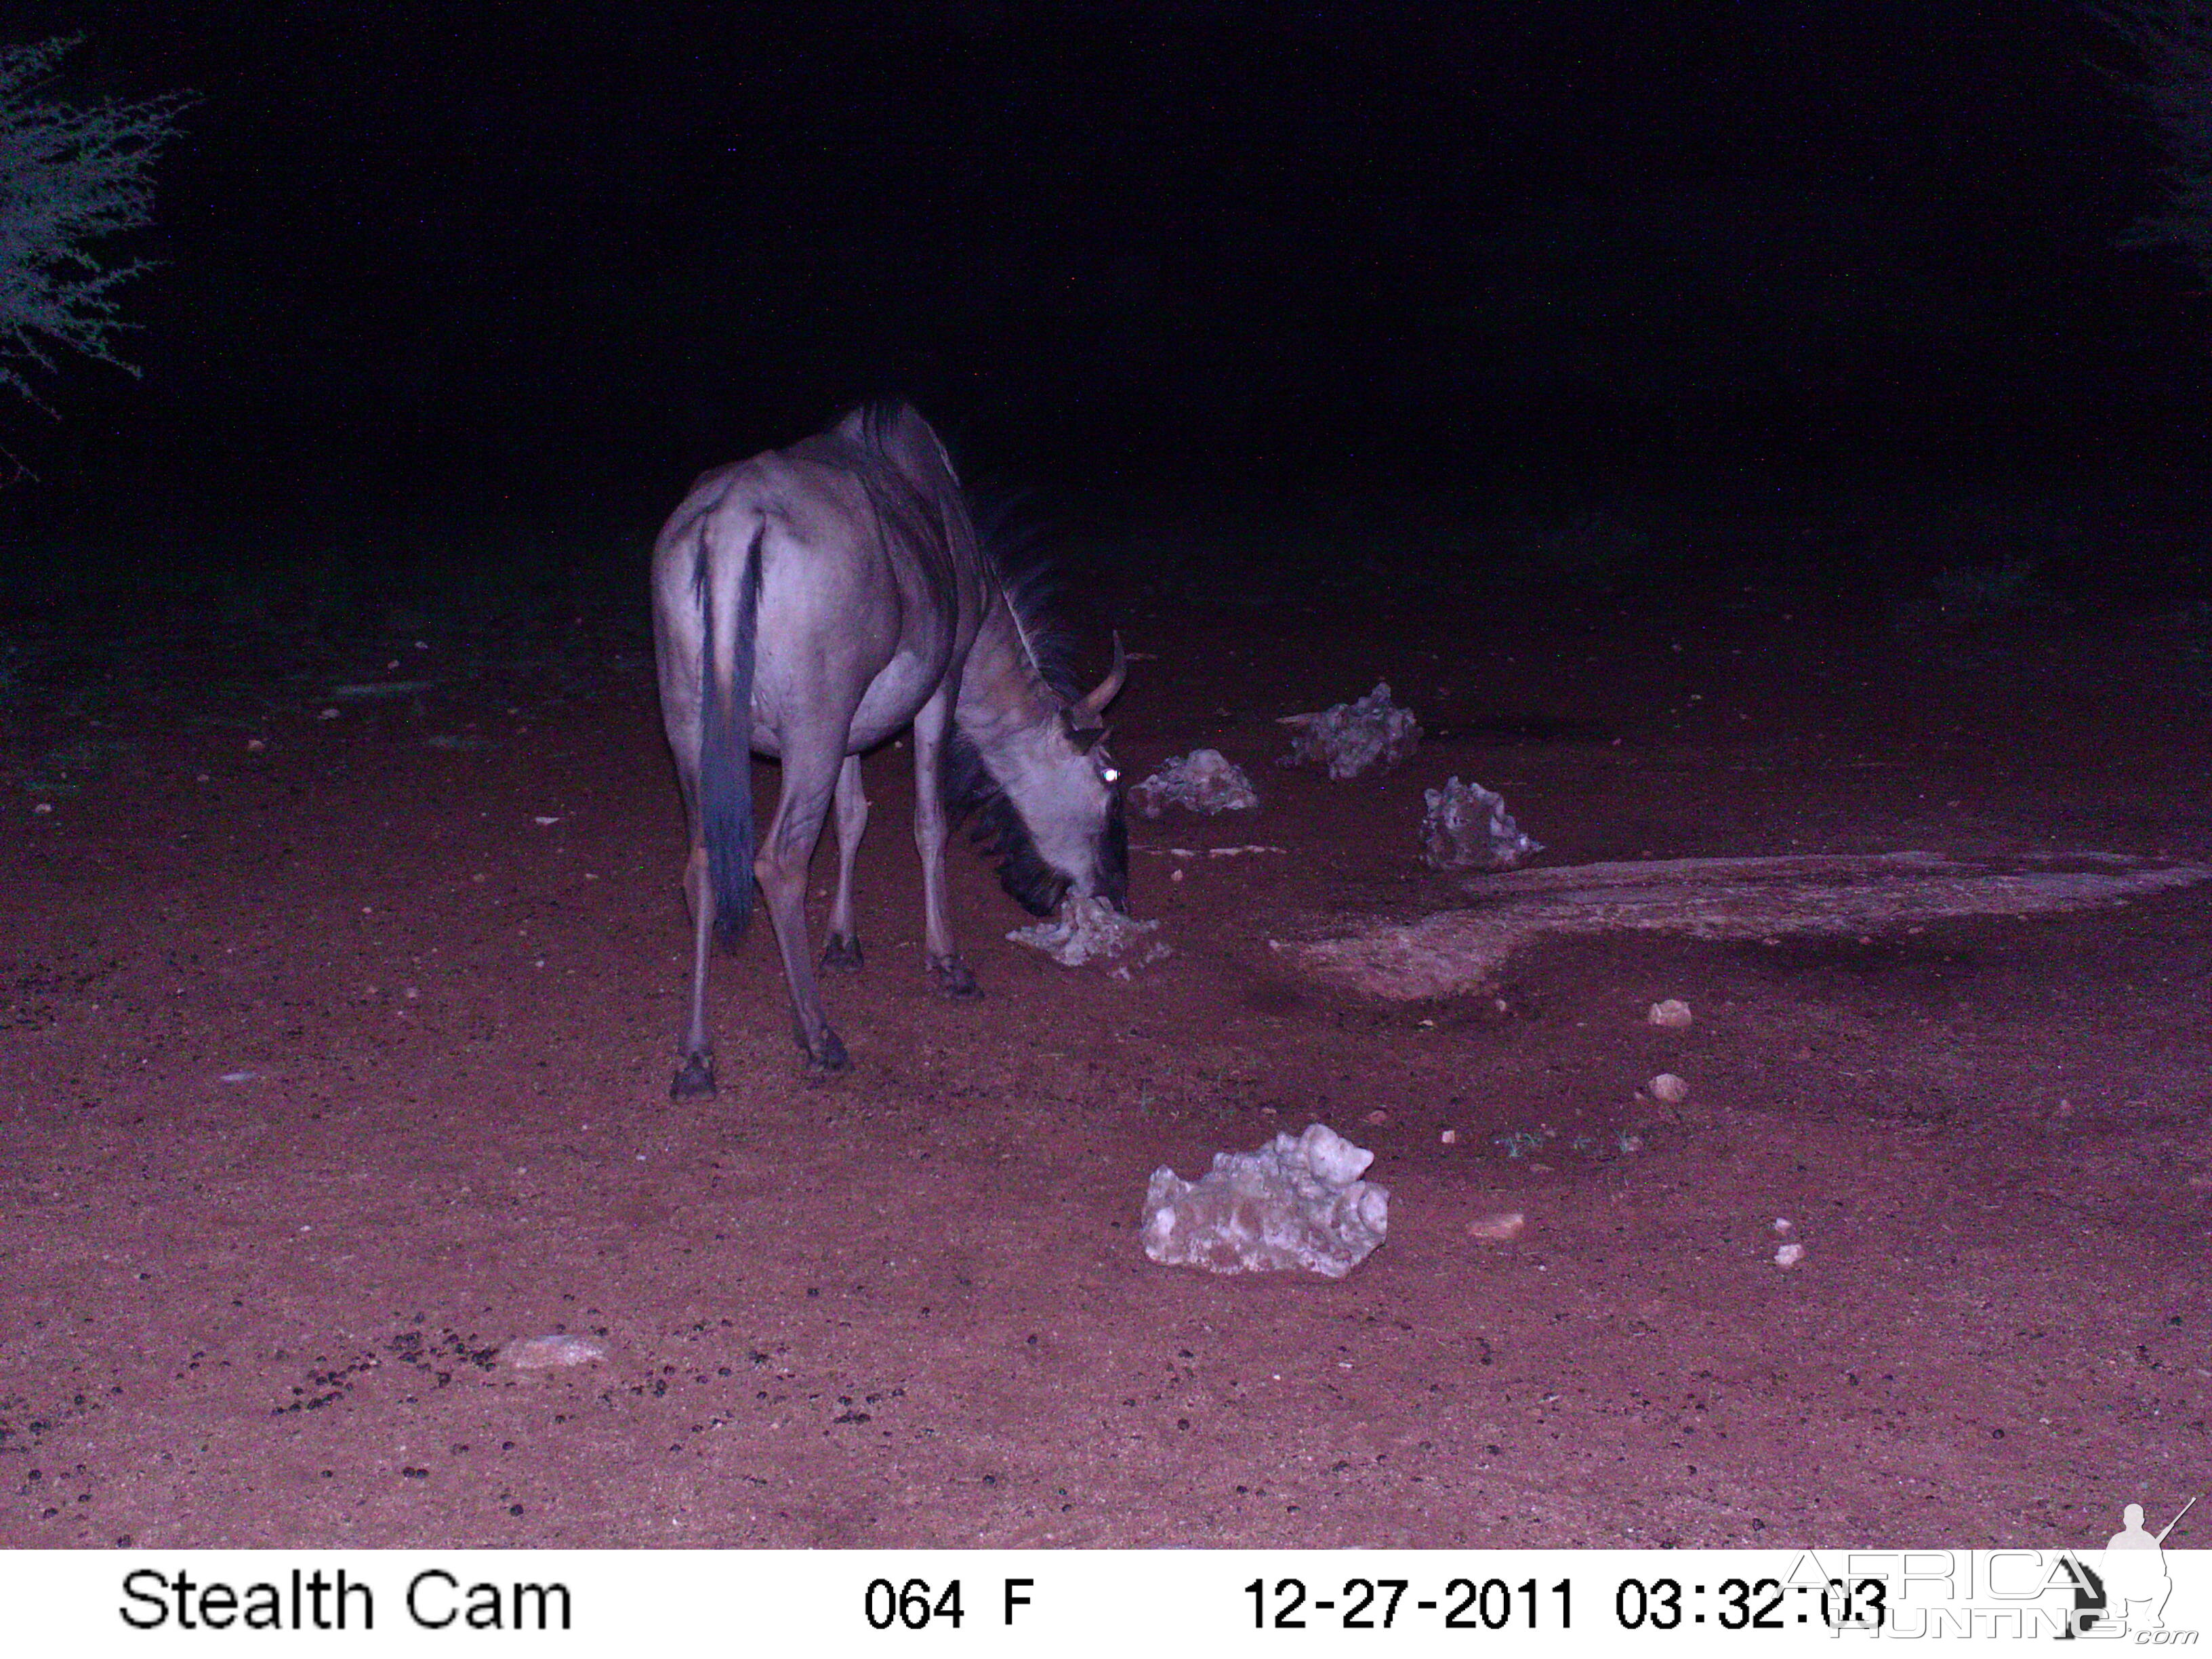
{"x":597,"y":247}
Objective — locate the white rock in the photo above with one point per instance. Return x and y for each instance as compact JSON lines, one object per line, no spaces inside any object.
{"x":1348,"y":738}
{"x":1503,"y":1228}
{"x":1672,"y":1011}
{"x":1468,"y":828}
{"x":1085,"y":929}
{"x":1204,"y":780}
{"x":1297,"y":1202}
{"x":1788,"y":1256}
{"x":1667,"y":1087}
{"x":536,"y":1354}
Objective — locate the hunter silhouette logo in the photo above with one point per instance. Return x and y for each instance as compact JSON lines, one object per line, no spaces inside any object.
{"x":2134,"y":1570}
{"x":2127,"y":1589}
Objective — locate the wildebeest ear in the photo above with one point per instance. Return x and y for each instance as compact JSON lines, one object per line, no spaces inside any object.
{"x":1083,"y":736}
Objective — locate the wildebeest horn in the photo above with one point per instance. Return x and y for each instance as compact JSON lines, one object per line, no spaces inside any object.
{"x":1091,"y":711}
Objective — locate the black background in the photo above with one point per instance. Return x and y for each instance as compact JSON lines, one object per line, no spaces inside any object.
{"x":426,"y":258}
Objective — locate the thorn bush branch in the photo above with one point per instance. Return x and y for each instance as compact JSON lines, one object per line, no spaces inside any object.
{"x":71,"y":176}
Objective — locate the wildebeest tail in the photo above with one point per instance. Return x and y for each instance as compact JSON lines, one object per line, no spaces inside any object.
{"x":728,"y":590}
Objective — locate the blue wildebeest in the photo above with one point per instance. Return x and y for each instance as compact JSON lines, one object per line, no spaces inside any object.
{"x":807,"y":605}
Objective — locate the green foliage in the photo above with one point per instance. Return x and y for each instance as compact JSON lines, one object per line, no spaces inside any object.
{"x":70,"y":178}
{"x":2003,"y":586}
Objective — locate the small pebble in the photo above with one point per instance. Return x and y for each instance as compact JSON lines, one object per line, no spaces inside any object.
{"x":1672,"y":1011}
{"x":1788,"y":1256}
{"x":1502,"y":1228}
{"x":536,"y":1354}
{"x":1667,"y":1087}
{"x":1450,"y":1137}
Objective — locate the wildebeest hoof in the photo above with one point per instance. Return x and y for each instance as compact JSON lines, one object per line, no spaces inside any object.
{"x":830,"y":1058}
{"x":950,"y":977}
{"x":694,"y":1078}
{"x":841,"y":955}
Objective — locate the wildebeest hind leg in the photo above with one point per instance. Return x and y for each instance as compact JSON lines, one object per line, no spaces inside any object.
{"x":841,"y":950}
{"x":810,"y":776}
{"x":695,"y":1078}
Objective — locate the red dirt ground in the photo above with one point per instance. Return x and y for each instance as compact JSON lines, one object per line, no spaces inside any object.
{"x":907,"y":1307}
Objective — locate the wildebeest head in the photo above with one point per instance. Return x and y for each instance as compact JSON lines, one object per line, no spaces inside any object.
{"x":1095,"y":795}
{"x":1055,"y":821}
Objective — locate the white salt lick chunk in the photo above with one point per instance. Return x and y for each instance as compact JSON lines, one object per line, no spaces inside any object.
{"x":1204,"y":780}
{"x":1348,"y":738}
{"x":1297,"y":1202}
{"x":1085,"y":929}
{"x":1467,"y":826}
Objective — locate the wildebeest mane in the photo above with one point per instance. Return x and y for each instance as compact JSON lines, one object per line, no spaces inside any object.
{"x":1013,"y":537}
{"x":1012,"y":543}
{"x":1009,"y":535}
{"x":904,"y":508}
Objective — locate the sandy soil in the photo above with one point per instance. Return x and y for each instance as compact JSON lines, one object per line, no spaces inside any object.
{"x":334,"y":1056}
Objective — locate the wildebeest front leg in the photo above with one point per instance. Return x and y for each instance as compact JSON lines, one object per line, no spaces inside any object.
{"x":810,"y":775}
{"x":840,"y":950}
{"x":932,"y":726}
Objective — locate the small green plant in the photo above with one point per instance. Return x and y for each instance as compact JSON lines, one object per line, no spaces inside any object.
{"x":64,"y":768}
{"x":1517,"y":1143}
{"x":2006,"y":587}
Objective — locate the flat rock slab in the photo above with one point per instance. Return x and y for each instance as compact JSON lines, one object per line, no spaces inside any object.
{"x":1823,"y":893}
